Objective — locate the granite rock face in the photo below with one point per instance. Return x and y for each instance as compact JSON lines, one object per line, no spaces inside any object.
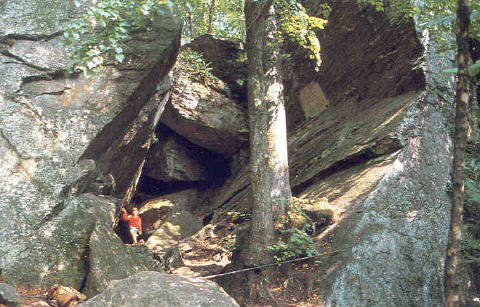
{"x":159,"y":289}
{"x":61,"y":136}
{"x":108,"y":258}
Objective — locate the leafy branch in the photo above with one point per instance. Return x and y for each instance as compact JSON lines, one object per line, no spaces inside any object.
{"x":100,"y":35}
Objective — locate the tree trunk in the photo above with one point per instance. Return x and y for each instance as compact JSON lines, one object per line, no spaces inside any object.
{"x":452,"y":266}
{"x":211,"y":15}
{"x":268,"y":137}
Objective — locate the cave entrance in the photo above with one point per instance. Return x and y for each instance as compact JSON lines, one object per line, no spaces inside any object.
{"x":174,"y":166}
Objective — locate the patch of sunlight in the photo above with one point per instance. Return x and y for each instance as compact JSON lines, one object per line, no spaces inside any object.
{"x":29,"y":166}
{"x":348,"y":189}
{"x":390,"y":119}
{"x":47,"y":233}
{"x":398,"y":166}
{"x":411,"y":215}
{"x":45,"y":270}
{"x":279,"y":151}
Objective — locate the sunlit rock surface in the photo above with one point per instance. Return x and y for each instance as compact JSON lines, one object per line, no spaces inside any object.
{"x":61,"y":136}
{"x":159,"y":289}
{"x":168,"y":219}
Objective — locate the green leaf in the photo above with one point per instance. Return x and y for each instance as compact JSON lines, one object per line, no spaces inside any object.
{"x":119,"y":57}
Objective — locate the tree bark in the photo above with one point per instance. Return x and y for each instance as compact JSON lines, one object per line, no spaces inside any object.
{"x":211,"y":15}
{"x":453,"y":293}
{"x":268,"y":137}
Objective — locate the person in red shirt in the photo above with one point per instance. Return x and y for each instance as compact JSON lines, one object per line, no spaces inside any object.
{"x":134,"y":223}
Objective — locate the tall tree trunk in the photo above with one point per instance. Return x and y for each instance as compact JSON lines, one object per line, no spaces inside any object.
{"x":190,"y":23}
{"x":268,"y":137}
{"x":211,"y":15}
{"x":452,"y":266}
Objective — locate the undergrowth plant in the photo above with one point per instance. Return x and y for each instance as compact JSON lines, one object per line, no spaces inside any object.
{"x":298,"y":27}
{"x":471,"y":242}
{"x":294,"y":239}
{"x":101,"y":34}
{"x":229,"y":243}
{"x":194,"y":65}
{"x":297,"y":244}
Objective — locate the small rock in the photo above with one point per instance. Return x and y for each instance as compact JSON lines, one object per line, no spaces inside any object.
{"x":8,"y":296}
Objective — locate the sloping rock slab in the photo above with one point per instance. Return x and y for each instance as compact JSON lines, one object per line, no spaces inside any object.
{"x":148,"y":289}
{"x":382,"y":157}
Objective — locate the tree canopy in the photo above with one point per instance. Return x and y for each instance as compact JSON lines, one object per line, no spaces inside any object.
{"x":100,"y":35}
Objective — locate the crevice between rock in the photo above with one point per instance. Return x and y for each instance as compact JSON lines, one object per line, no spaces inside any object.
{"x":85,"y":257}
{"x":23,"y":62}
{"x":38,"y":37}
{"x":362,"y":157}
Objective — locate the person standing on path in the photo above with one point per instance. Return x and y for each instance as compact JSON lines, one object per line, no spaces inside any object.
{"x":134,"y":223}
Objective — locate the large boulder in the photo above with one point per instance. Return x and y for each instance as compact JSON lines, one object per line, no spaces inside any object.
{"x":159,"y":289}
{"x":167,"y":219}
{"x":180,"y":225}
{"x":60,"y":134}
{"x":172,"y":158}
{"x":77,"y":248}
{"x":205,"y":114}
{"x":228,"y":59}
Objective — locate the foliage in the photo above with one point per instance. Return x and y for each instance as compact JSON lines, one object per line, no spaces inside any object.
{"x":297,"y":244}
{"x":439,"y":17}
{"x":294,"y":240}
{"x":102,"y":32}
{"x":227,"y":19}
{"x":300,"y":28}
{"x":471,"y":250}
{"x":153,"y":138}
{"x":239,"y":217}
{"x":394,"y":8}
{"x":473,"y":69}
{"x":229,"y":243}
{"x":194,"y":65}
{"x":471,"y":244}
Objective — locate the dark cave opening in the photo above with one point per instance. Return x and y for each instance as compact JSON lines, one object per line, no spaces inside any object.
{"x":164,"y":172}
